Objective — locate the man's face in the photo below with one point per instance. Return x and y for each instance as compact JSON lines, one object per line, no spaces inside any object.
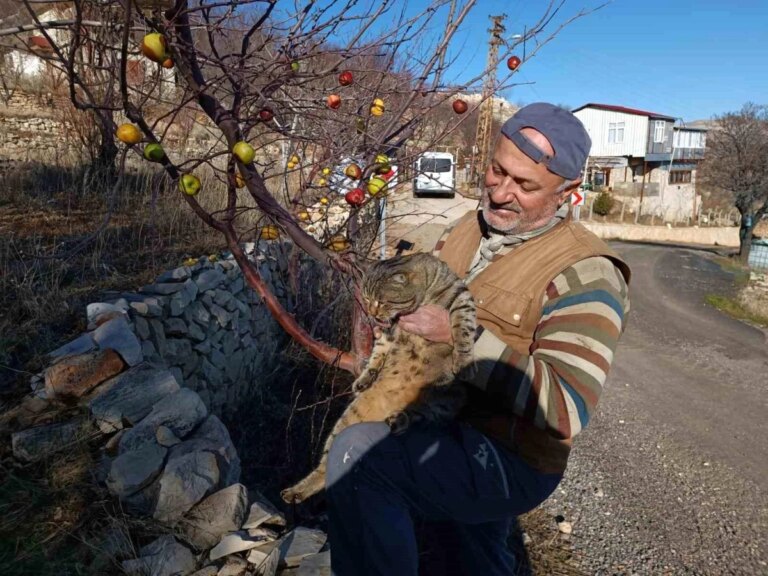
{"x":521,"y":195}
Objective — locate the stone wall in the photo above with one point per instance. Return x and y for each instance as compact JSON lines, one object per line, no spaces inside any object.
{"x":152,"y":375}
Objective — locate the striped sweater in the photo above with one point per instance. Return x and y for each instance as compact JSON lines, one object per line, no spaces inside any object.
{"x":558,"y":384}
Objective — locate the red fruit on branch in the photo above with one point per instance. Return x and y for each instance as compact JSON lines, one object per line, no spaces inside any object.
{"x":513,"y":63}
{"x":333,"y":101}
{"x":355,"y":197}
{"x":265,"y":115}
{"x":459,"y":106}
{"x":345,"y":78}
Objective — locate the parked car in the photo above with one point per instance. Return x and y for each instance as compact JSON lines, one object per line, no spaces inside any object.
{"x":435,"y":174}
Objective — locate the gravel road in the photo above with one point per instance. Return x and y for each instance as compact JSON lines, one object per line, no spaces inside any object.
{"x":671,"y":475}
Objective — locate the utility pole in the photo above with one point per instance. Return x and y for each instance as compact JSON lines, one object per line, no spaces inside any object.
{"x":485,"y":121}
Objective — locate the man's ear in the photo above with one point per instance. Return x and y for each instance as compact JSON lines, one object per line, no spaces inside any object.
{"x":568,"y":187}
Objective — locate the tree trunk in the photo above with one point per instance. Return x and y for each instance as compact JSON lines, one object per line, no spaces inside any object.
{"x":745,"y":237}
{"x":105,"y":160}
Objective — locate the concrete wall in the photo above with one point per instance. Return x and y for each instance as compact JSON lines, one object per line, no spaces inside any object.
{"x":688,"y":235}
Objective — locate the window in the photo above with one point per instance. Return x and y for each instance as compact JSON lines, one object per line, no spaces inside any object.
{"x":615,"y":132}
{"x":658,"y":131}
{"x":680,"y":177}
{"x":435,"y":165}
{"x":689,"y":139}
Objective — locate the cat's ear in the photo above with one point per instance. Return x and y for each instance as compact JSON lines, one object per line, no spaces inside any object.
{"x":400,"y":278}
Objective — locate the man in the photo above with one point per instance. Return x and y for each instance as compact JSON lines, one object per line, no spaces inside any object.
{"x":552,"y":302}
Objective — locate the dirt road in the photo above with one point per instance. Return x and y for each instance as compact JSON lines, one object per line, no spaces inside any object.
{"x":671,"y":476}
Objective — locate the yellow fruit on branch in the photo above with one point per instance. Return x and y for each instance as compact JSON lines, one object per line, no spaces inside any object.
{"x":377,"y":110}
{"x":376,"y":186}
{"x":239,"y":181}
{"x":269,"y":232}
{"x":295,"y":159}
{"x":382,"y":164}
{"x":244,"y":152}
{"x":323,"y":200}
{"x":378,"y":102}
{"x":154,"y":152}
{"x":290,"y":165}
{"x":326,"y":171}
{"x":128,"y":134}
{"x":190,"y":262}
{"x":154,"y":47}
{"x":322,"y":182}
{"x":304,"y":216}
{"x":189,"y":184}
{"x":339,"y":244}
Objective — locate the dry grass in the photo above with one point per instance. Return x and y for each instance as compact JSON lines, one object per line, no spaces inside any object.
{"x":46,"y":212}
{"x":55,"y":520}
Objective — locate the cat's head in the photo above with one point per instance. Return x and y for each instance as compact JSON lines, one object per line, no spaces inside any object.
{"x":394,"y":287}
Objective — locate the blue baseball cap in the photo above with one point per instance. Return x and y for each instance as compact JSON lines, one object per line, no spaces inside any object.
{"x":564,"y":131}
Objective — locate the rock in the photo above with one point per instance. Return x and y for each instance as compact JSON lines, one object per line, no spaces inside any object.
{"x":74,"y":376}
{"x":158,"y":336}
{"x":175,"y":275}
{"x":163,"y":288}
{"x":196,"y":332}
{"x":186,"y":480}
{"x":142,"y":329}
{"x":180,"y":411}
{"x":130,"y":396}
{"x":132,"y":471}
{"x":212,"y":436}
{"x":300,"y":543}
{"x":166,"y":437}
{"x":316,"y":565}
{"x":565,"y":527}
{"x":118,"y":336}
{"x":234,"y":566}
{"x":98,"y":312}
{"x":36,"y":443}
{"x":200,"y":314}
{"x":234,"y":543}
{"x":217,"y":515}
{"x":147,"y":306}
{"x":265,"y":558}
{"x":263,"y":533}
{"x":182,"y":299}
{"x":80,"y":345}
{"x":262,"y":512}
{"x":143,"y":502}
{"x":177,"y":350}
{"x":175,"y":327}
{"x":163,"y":557}
{"x":212,"y":375}
{"x":208,"y":280}
{"x":222,"y":316}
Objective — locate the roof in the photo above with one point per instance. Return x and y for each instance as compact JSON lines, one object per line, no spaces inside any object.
{"x":625,"y":110}
{"x":39,"y":43}
{"x":693,"y":128}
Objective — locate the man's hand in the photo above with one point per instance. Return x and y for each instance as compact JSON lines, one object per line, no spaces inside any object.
{"x":430,"y":321}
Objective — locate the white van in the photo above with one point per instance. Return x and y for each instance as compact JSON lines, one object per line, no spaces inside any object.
{"x":435,"y":174}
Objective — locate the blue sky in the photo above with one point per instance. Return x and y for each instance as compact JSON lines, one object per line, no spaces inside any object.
{"x":686,"y":58}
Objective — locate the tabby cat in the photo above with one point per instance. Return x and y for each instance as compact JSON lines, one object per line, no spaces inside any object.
{"x":407,"y":378}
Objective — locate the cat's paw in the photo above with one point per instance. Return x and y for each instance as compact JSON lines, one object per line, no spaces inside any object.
{"x":461,"y":360}
{"x":293,"y":495}
{"x":363,"y":383}
{"x":398,"y":422}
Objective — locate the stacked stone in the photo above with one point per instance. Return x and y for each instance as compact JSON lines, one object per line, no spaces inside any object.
{"x":214,"y":335}
{"x":164,"y":454}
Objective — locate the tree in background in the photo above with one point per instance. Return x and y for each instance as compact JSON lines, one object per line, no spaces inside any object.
{"x":736,"y":166}
{"x":292,"y":98}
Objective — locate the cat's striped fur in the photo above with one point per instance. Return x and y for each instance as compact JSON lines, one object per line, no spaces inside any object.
{"x":407,"y":378}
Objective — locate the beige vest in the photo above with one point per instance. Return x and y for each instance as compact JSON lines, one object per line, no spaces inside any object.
{"x":508,"y":294}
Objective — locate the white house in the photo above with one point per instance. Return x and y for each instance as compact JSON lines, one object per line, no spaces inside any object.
{"x":644,"y":158}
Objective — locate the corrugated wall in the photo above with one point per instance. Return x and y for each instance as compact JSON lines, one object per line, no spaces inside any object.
{"x":597,"y":121}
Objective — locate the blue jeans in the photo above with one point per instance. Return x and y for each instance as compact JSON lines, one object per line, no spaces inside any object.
{"x":378,"y":484}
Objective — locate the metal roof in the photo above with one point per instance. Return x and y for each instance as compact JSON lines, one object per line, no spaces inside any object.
{"x":624,"y":109}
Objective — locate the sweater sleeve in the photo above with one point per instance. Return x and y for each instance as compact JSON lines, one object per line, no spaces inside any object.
{"x":557,"y":385}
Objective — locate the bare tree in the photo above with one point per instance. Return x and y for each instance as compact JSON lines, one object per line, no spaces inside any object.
{"x":283,"y":92}
{"x":736,"y":166}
